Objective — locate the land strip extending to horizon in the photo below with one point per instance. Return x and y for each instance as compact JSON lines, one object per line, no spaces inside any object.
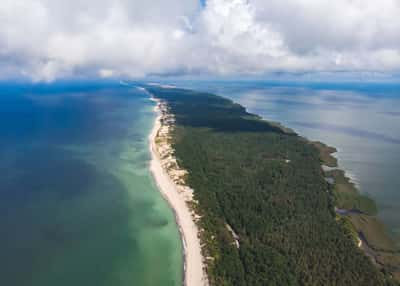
{"x":169,"y":179}
{"x":254,"y":205}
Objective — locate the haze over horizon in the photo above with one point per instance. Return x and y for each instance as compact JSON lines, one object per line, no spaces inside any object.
{"x":200,"y":142}
{"x":46,"y":40}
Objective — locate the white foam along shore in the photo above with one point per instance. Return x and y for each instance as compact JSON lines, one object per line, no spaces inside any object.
{"x":170,"y":181}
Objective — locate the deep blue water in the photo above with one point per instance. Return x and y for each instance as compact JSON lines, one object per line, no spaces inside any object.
{"x":362,"y":120}
{"x":78,"y":205}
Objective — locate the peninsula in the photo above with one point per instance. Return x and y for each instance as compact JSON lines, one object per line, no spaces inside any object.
{"x":253,"y":204}
{"x":170,"y":179}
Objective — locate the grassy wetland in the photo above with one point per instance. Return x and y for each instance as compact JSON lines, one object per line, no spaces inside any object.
{"x":268,"y":213}
{"x":358,"y":213}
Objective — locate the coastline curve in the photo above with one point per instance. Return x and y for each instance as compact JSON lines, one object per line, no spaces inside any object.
{"x":178,"y":197}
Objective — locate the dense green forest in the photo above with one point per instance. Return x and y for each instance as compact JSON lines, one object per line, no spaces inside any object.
{"x":268,"y":186}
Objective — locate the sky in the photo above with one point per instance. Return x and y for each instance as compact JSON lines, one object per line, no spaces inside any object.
{"x":46,"y":40}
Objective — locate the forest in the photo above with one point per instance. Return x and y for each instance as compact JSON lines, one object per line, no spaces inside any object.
{"x":267,"y":185}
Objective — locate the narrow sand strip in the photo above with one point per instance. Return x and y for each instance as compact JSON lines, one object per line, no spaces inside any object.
{"x":168,"y":179}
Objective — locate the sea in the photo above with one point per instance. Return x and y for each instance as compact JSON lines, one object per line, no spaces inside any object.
{"x":360,"y":119}
{"x":78,"y":205}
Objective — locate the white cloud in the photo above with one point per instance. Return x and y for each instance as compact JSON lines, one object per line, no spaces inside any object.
{"x":49,"y":39}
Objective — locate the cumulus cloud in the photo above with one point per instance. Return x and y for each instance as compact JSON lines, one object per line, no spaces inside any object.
{"x":50,"y":39}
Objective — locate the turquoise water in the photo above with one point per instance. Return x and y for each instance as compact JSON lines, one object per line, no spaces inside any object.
{"x":362,"y":120}
{"x":78,"y":205}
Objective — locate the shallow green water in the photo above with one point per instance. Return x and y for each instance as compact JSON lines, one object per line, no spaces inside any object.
{"x":78,"y":204}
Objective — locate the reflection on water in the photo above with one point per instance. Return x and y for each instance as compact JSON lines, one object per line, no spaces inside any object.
{"x":361,"y":120}
{"x":348,"y":131}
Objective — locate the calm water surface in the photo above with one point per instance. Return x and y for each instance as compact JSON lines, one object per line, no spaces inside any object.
{"x":78,"y":205}
{"x":361,"y":120}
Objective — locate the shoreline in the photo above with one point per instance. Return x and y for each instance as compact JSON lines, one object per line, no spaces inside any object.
{"x":372,"y":235}
{"x":199,"y":137}
{"x":177,"y":196}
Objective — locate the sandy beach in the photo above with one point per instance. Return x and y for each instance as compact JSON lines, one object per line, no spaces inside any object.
{"x":170,"y":181}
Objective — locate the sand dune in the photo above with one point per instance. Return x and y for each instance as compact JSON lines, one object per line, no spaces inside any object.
{"x":170,"y":180}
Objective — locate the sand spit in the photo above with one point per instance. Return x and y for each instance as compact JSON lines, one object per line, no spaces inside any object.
{"x":171,"y":183}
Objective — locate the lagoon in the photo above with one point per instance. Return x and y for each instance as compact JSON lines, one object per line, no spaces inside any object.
{"x":362,"y":120}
